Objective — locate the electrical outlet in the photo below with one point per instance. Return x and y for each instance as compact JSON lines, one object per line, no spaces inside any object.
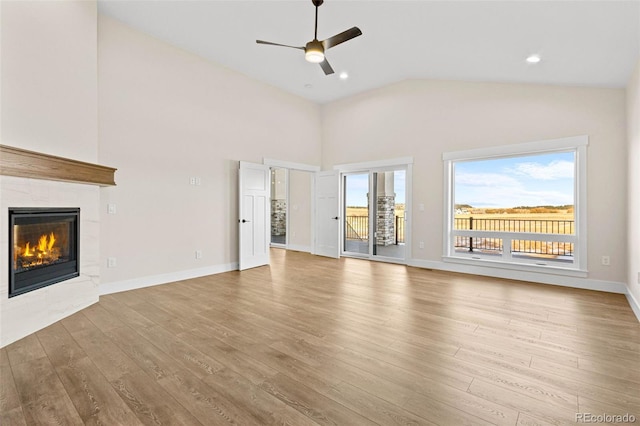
{"x":198,"y":254}
{"x":111,"y":262}
{"x":421,"y":244}
{"x":111,"y":208}
{"x":606,"y":261}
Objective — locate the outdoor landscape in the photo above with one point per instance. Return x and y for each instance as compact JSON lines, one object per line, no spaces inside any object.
{"x":364,"y":211}
{"x":517,"y":219}
{"x":526,"y":219}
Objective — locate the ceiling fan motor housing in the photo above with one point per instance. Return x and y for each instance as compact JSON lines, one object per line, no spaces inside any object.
{"x":314,"y":51}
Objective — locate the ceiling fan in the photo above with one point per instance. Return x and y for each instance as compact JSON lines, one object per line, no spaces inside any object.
{"x":314,"y":50}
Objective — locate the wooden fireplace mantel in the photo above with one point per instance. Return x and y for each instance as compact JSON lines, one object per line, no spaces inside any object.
{"x":30,"y":164}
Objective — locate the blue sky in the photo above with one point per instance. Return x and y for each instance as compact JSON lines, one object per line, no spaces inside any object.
{"x":535,"y":180}
{"x":357,"y":187}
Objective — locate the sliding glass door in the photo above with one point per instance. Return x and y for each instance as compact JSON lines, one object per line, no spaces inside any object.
{"x":374,"y":214}
{"x":388,"y":213}
{"x":356,"y":213}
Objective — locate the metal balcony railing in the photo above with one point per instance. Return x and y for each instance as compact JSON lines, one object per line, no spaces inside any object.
{"x":357,"y":228}
{"x":512,"y":227}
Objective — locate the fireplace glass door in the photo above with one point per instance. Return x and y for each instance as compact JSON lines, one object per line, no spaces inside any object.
{"x":43,"y":247}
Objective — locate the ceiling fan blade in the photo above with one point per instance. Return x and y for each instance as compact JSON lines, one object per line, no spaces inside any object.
{"x":277,"y":44}
{"x":326,"y":67}
{"x":341,"y":38}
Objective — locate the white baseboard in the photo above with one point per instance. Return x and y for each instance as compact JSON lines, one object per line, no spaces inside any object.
{"x":561,"y":280}
{"x":118,"y":286}
{"x":633,"y":302}
{"x":297,"y":247}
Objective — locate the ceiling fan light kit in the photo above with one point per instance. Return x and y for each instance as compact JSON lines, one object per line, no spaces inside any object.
{"x":314,"y":50}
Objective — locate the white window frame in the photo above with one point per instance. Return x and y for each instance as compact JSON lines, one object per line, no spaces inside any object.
{"x":578,"y":267}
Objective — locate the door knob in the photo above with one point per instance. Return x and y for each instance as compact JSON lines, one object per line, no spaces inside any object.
{"x":245,"y":221}
{"x":335,"y":218}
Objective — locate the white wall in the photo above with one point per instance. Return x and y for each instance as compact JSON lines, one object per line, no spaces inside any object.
{"x":424,"y":118}
{"x":166,"y":115}
{"x":300,"y":210}
{"x":633,"y":190}
{"x":49,"y":66}
{"x":49,"y":104}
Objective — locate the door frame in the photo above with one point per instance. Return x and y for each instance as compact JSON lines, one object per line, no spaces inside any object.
{"x":370,"y":167}
{"x":289,"y":165}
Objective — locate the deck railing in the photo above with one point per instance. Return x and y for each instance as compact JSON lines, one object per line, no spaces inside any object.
{"x":542,"y":226}
{"x":399,"y":229}
{"x":357,"y":228}
{"x":527,"y":245}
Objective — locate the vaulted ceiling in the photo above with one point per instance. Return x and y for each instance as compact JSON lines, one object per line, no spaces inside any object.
{"x":584,"y":43}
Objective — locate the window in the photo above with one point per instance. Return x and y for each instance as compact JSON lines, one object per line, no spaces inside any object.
{"x":520,"y":206}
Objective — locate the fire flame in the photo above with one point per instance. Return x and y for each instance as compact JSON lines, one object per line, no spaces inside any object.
{"x":45,"y":244}
{"x":52,"y":240}
{"x":45,"y":251}
{"x":42,"y":244}
{"x":27,"y":250}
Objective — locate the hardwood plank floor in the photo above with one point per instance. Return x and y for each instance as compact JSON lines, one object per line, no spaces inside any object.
{"x":310,"y":340}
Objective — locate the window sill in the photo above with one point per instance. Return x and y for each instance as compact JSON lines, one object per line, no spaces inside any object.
{"x":515,"y":266}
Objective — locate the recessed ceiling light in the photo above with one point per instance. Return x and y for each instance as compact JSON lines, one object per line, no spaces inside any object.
{"x":344,"y":75}
{"x":533,"y":59}
{"x":308,"y":86}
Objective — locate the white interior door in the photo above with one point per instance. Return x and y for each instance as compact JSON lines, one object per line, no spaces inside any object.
{"x":327,"y":217}
{"x":254,"y":186}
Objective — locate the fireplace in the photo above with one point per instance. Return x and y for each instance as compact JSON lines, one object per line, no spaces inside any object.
{"x":43,"y":247}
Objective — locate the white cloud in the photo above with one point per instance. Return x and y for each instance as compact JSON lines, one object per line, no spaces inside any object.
{"x":557,"y":169}
{"x":510,"y":197}
{"x":493,"y":180}
{"x":500,"y":190}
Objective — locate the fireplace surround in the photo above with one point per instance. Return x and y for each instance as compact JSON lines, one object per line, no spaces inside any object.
{"x":35,"y":179}
{"x":43,"y":247}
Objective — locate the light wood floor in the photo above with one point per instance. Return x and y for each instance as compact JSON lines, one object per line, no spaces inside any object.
{"x":311,"y":340}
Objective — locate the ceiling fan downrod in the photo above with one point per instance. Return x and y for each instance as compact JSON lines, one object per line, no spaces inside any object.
{"x":317,"y":4}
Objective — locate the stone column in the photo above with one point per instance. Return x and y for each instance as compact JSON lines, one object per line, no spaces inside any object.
{"x":386,"y":208}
